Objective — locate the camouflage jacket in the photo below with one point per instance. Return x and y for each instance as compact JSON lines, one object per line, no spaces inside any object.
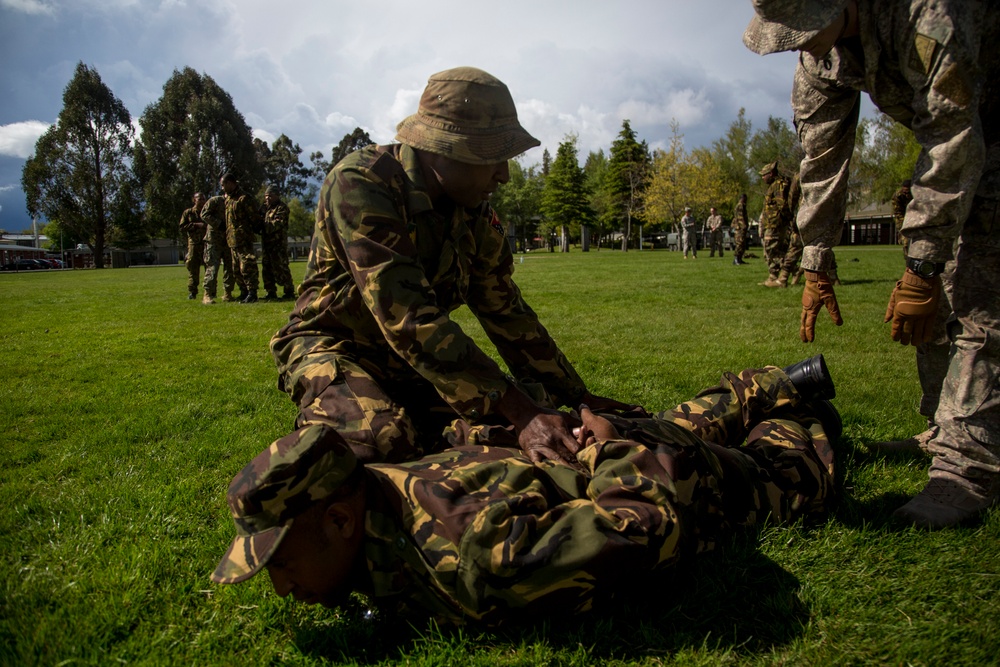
{"x":922,"y":62}
{"x":242,"y":219}
{"x":900,"y":200}
{"x":776,"y":214}
{"x":213,"y":213}
{"x":688,"y":223}
{"x":189,"y":218}
{"x":474,"y":533}
{"x":740,"y":216}
{"x":276,"y":224}
{"x":385,"y":271}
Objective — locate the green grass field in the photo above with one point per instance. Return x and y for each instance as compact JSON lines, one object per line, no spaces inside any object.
{"x":125,"y":409}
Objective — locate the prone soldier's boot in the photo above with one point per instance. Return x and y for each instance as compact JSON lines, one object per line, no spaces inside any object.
{"x":251,"y":297}
{"x":783,"y":278}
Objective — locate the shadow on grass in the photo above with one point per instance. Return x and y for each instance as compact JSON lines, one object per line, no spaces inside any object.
{"x":733,"y":601}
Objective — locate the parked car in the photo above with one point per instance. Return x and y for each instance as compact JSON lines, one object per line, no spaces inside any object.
{"x":23,"y":264}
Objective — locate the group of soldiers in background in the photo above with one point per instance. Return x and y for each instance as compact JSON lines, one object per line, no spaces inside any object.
{"x":221,"y":232}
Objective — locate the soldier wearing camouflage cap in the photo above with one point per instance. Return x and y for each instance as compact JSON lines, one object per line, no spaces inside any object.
{"x":480,"y":533}
{"x":404,"y":236}
{"x":274,"y":246}
{"x":934,"y":67}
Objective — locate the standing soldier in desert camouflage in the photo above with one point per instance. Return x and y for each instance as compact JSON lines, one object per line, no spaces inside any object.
{"x":900,"y":200}
{"x":775,"y":223}
{"x":192,"y":226}
{"x":689,"y":240}
{"x":217,"y":252}
{"x":274,"y":246}
{"x":740,"y":227}
{"x":934,"y":67}
{"x":481,"y":534}
{"x":242,"y":219}
{"x":404,"y":236}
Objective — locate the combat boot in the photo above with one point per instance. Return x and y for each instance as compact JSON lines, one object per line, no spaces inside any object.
{"x":251,"y":297}
{"x":192,"y":295}
{"x":208,"y":299}
{"x":772,"y":281}
{"x":798,"y":276}
{"x":271,"y":295}
{"x":227,"y":297}
{"x":916,"y":445}
{"x":783,"y":278}
{"x":736,"y":262}
{"x":811,"y":379}
{"x":944,"y":502}
{"x":289,"y":294}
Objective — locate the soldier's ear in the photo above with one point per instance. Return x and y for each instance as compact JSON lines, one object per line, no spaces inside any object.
{"x":345,"y":517}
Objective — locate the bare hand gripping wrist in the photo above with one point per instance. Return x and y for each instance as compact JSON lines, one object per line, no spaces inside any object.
{"x":542,"y":433}
{"x":913,"y":308}
{"x":818,"y":293}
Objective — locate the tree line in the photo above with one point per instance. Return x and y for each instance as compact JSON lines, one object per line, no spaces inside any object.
{"x":97,"y":183}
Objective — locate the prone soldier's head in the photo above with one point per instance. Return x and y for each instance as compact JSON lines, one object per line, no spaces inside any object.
{"x":465,"y":130}
{"x":299,"y":511}
{"x":812,"y":26}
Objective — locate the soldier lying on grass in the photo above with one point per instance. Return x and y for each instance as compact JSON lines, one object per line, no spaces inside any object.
{"x":479,"y":533}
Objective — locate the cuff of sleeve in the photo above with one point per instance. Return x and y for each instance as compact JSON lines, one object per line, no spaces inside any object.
{"x":815,"y":258}
{"x":930,"y":250}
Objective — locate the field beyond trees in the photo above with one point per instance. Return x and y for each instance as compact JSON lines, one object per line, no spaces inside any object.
{"x":125,"y":409}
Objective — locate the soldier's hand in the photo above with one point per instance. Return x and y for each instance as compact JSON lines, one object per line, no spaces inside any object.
{"x":549,"y":435}
{"x":913,"y":308}
{"x":594,"y":428}
{"x":818,"y":293}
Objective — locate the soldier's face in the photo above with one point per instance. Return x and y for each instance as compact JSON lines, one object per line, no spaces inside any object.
{"x":228,"y":186}
{"x":316,"y":558}
{"x":769,"y":178}
{"x":465,"y":184}
{"x":199,"y":201}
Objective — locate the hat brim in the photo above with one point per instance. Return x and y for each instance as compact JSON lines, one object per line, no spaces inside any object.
{"x":486,"y":147}
{"x":248,"y":554}
{"x":764,"y":37}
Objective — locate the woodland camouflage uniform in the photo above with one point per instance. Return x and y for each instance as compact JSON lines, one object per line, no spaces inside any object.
{"x":195,"y":247}
{"x":775,"y":221}
{"x":242,"y":220}
{"x":217,"y":247}
{"x":370,"y":348}
{"x":274,"y":243}
{"x":478,"y":533}
{"x":740,"y":227}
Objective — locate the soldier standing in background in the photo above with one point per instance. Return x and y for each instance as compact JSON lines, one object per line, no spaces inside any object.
{"x":934,"y":67}
{"x":479,"y":533}
{"x":791,"y":266}
{"x":775,"y":225}
{"x":217,"y":251}
{"x":900,"y":200}
{"x":242,"y":219}
{"x":274,"y":246}
{"x":714,"y":224}
{"x":192,"y":226}
{"x":688,"y":234}
{"x":740,"y":227}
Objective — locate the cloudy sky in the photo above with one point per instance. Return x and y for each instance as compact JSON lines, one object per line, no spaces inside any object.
{"x":316,"y":69}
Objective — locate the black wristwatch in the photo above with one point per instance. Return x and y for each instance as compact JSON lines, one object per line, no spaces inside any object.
{"x":924,"y":268}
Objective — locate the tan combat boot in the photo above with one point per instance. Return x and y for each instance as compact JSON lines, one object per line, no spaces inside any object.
{"x":783,"y":278}
{"x":945,"y":502}
{"x":228,"y":296}
{"x":772,"y":281}
{"x":208,"y":299}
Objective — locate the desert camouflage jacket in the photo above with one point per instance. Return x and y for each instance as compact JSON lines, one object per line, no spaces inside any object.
{"x":476,"y":533}
{"x":242,"y":219}
{"x":385,"y":271}
{"x":188,"y":218}
{"x":276,"y":224}
{"x":922,"y":62}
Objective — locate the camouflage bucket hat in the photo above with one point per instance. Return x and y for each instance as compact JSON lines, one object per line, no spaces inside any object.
{"x":280,"y":483}
{"x":768,"y":168}
{"x":785,"y":25}
{"x":467,"y":115}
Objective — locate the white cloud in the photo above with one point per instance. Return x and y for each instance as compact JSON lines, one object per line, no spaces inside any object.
{"x":18,"y":139}
{"x":8,"y":188}
{"x":29,"y":6}
{"x":264,"y":136}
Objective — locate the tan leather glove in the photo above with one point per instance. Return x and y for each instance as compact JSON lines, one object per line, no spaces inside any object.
{"x":913,"y":308}
{"x":818,"y":293}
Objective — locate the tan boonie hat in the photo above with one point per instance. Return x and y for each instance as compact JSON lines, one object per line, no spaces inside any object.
{"x":785,"y":25}
{"x":468,"y":115}
{"x":281,"y":482}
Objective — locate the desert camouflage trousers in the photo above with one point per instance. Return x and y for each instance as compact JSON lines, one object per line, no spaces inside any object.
{"x":193,"y":262}
{"x":274,"y":264}
{"x":245,"y":266}
{"x":216,"y":254}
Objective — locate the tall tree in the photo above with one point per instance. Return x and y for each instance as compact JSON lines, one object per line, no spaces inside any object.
{"x":282,"y":166}
{"x":81,"y":174}
{"x":885,"y":155}
{"x":732,"y":153}
{"x":777,"y":142}
{"x":565,"y":204}
{"x":595,"y":172}
{"x":628,"y":175}
{"x":353,"y":141}
{"x":301,"y":221}
{"x":669,"y":185}
{"x":518,"y":202}
{"x":190,"y":137}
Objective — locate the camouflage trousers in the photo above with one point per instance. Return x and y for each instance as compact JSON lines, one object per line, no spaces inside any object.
{"x":775,"y":248}
{"x":793,"y":256}
{"x":688,"y":242}
{"x":193,"y":262}
{"x":740,"y":242}
{"x":274,"y":263}
{"x":245,"y":267}
{"x":217,"y":254}
{"x":738,"y":452}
